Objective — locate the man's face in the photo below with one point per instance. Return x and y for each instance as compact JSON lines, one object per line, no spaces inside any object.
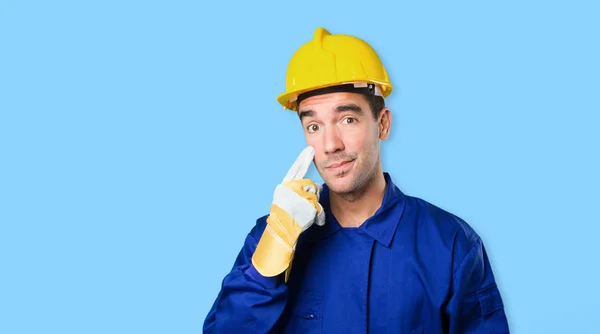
{"x":345,"y":136}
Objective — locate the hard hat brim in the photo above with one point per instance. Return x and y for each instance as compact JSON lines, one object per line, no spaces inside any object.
{"x":289,"y":99}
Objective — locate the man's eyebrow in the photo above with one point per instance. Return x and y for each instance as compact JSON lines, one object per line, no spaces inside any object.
{"x":355,"y":108}
{"x":306,"y":113}
{"x":350,"y":107}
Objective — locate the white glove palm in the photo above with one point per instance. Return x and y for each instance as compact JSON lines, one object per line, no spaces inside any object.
{"x":292,"y":194}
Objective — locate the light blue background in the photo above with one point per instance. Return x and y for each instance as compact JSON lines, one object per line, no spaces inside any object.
{"x":140,"y":141}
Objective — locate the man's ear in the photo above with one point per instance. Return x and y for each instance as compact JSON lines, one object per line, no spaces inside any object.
{"x":385,"y":123}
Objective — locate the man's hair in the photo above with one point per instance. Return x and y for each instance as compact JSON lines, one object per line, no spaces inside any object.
{"x":376,"y":103}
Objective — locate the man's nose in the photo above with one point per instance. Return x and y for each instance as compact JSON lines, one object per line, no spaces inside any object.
{"x":332,"y":140}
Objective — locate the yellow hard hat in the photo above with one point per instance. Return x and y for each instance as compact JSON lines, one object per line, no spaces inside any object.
{"x":334,"y":61}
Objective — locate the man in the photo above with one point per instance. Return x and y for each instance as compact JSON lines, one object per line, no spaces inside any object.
{"x":355,"y":255}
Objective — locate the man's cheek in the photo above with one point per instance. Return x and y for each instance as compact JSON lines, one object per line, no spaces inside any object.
{"x":310,"y":141}
{"x":318,"y":161}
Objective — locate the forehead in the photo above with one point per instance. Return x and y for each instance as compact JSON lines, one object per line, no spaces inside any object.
{"x":325,"y":103}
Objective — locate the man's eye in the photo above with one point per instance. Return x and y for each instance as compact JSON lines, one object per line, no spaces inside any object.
{"x":349,"y":120}
{"x":313,"y":128}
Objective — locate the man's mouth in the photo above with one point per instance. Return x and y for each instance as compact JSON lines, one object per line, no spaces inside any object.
{"x":338,"y":165}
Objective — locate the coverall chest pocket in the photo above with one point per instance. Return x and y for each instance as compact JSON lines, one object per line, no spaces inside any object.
{"x":307,"y":314}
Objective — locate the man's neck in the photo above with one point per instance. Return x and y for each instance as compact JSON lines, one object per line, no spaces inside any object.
{"x":354,"y":212}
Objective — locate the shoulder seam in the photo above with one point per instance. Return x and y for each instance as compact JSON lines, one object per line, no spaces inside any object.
{"x":477,"y":241}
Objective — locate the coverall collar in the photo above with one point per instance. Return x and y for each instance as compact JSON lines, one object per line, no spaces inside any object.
{"x":381,"y":226}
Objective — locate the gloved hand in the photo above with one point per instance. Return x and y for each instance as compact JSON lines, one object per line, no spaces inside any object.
{"x":294,"y":209}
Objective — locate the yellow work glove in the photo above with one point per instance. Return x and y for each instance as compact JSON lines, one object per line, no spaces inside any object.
{"x":294,"y":209}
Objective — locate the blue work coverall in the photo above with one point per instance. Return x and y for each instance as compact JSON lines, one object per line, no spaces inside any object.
{"x":410,"y":268}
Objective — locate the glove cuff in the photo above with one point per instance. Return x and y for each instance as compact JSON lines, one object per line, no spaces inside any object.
{"x":275,"y":249}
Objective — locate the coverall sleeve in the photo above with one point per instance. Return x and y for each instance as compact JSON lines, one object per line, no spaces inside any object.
{"x":247,"y":301}
{"x":475,"y":304}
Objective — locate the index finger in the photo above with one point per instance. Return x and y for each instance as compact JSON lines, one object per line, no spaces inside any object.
{"x":301,"y":165}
